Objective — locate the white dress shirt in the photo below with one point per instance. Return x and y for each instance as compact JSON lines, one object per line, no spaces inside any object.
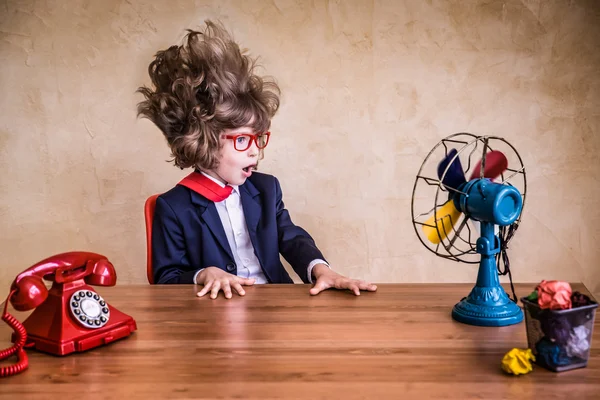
{"x":233,"y":219}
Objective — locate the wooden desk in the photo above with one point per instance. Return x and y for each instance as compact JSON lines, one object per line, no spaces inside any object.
{"x":279,"y":342}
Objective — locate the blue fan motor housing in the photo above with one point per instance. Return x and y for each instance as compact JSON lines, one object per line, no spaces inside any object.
{"x":484,"y":200}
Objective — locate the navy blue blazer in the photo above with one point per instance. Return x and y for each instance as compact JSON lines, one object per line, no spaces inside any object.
{"x":187,"y":234}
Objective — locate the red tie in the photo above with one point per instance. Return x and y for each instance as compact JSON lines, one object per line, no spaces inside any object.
{"x":208,"y":188}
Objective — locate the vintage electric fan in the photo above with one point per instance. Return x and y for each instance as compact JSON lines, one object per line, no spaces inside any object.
{"x":466,"y":205}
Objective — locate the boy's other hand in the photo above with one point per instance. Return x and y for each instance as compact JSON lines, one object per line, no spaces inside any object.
{"x":215,"y":279}
{"x":326,"y":278}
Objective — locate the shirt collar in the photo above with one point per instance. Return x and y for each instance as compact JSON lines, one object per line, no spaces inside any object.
{"x":235,"y":187}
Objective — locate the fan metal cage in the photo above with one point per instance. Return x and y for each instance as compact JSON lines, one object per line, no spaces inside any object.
{"x":430,"y":194}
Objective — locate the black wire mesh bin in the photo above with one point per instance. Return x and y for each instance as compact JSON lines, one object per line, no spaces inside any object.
{"x":561,"y":340}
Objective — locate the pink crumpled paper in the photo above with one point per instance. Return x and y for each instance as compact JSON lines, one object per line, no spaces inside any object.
{"x":555,"y":295}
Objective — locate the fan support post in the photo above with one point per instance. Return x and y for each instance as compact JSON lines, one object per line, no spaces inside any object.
{"x":487,"y":304}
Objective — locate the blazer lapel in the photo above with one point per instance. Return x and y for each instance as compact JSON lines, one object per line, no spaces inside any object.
{"x":252,"y":211}
{"x":208,"y":213}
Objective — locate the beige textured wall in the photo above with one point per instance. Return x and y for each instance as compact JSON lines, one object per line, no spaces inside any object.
{"x":369,"y":87}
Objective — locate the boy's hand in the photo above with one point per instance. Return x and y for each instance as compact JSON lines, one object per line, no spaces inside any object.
{"x":215,"y":280}
{"x":326,"y":278}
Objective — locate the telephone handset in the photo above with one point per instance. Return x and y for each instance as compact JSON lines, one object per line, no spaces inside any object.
{"x":71,"y":316}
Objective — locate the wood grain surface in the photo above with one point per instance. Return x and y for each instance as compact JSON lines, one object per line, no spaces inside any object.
{"x":280,"y":342}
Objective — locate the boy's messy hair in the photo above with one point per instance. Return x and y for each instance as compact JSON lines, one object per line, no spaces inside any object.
{"x":202,"y":87}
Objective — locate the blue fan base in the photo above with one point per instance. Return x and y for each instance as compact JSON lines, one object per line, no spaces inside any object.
{"x":487,"y":306}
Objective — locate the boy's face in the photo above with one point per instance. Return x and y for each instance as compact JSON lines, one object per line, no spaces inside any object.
{"x":235,"y":166}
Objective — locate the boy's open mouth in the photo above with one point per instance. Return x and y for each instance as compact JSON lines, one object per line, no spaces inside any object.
{"x":249,"y":168}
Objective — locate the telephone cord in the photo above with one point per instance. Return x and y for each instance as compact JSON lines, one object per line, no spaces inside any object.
{"x":17,"y":348}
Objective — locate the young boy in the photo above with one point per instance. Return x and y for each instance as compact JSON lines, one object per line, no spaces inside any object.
{"x":224,"y":225}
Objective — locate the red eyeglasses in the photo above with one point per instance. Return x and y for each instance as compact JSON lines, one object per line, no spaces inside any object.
{"x":242,"y":142}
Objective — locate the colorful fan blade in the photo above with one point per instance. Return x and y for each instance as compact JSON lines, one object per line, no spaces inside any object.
{"x":495,"y":164}
{"x":455,"y":175}
{"x":447,"y":216}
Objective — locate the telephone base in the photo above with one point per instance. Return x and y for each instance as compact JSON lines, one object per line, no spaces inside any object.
{"x":95,"y":339}
{"x":54,"y":328}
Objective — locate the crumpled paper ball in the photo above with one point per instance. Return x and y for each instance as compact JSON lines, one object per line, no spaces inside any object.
{"x":580,"y":300}
{"x":555,"y":295}
{"x":532,"y":296}
{"x":556,"y":328}
{"x":578,"y":343}
{"x":517,"y":361}
{"x":550,"y":353}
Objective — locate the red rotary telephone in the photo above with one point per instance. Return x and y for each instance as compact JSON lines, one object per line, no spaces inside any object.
{"x":71,"y":317}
